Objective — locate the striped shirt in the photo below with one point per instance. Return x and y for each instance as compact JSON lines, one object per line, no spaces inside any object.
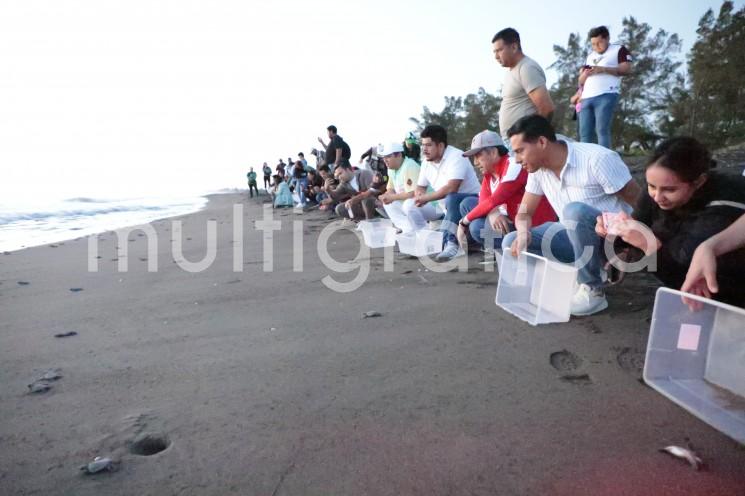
{"x":592,"y":175}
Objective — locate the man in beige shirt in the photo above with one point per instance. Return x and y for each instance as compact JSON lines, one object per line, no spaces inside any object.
{"x":524,"y":88}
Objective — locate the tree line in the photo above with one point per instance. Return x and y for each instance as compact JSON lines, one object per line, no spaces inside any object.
{"x":704,"y":98}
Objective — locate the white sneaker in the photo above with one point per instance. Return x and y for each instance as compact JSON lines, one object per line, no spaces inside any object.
{"x":451,"y":251}
{"x":588,"y":301}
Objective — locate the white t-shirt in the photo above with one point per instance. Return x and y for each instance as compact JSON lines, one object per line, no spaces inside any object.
{"x":605,"y":83}
{"x":452,"y":165}
{"x":592,"y":175}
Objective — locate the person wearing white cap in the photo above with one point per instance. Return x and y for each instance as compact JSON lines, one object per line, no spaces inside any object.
{"x":403,"y":173}
{"x":489,"y":217}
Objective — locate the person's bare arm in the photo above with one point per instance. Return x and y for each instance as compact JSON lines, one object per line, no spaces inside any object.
{"x":542,"y":101}
{"x":338,"y":156}
{"x":629,"y":193}
{"x":523,"y":222}
{"x":452,"y":186}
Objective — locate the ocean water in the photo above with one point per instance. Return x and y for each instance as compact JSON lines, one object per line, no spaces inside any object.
{"x":26,"y":224}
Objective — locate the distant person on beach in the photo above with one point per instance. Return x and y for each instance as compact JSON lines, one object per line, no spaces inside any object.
{"x":267,"y":176}
{"x":403,"y":174}
{"x":450,"y":178}
{"x":412,"y":149}
{"x":300,"y":178}
{"x":354,"y":201}
{"x":301,"y":157}
{"x":524,"y":89}
{"x":281,"y":195}
{"x":337,"y":151}
{"x":488,"y":218}
{"x":600,"y":79}
{"x":580,"y":181}
{"x":251,"y":176}
{"x":280,"y":168}
{"x":686,"y":204}
{"x":320,"y":157}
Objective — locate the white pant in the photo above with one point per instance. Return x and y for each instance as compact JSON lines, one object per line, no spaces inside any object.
{"x":395,"y":211}
{"x":419,"y":216}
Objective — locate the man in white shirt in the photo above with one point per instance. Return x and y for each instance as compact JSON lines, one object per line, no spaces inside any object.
{"x":600,"y":80}
{"x":580,"y":181}
{"x":451,"y":178}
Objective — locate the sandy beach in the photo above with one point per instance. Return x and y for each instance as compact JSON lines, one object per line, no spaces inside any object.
{"x":250,"y":382}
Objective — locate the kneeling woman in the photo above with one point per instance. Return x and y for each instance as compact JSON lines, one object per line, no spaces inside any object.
{"x":686,"y":204}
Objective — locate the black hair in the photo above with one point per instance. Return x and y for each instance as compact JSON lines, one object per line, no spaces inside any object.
{"x":301,"y":154}
{"x":502,"y":150}
{"x":324,"y":168}
{"x":277,"y":179}
{"x":599,"y":31}
{"x":508,"y":36}
{"x":532,"y":127}
{"x":687,"y":157}
{"x":436,"y":133}
{"x":331,"y":128}
{"x":345,"y":165}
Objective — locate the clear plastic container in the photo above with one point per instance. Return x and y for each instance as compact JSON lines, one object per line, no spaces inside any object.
{"x":535,"y":289}
{"x":378,"y":233}
{"x":420,"y":243}
{"x":697,"y":359}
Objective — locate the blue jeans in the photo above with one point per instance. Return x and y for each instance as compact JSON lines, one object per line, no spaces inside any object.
{"x":572,"y":241}
{"x":596,"y":118}
{"x":452,"y":215}
{"x":479,"y":229}
{"x":301,"y":184}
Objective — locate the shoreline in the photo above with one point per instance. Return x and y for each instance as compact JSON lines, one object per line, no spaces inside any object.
{"x":261,"y":382}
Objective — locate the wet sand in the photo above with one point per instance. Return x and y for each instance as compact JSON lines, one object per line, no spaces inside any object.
{"x":269,"y":383}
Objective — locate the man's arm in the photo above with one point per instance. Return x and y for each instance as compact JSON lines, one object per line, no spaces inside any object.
{"x":542,"y":101}
{"x":338,"y":156}
{"x":629,"y":193}
{"x":452,"y":186}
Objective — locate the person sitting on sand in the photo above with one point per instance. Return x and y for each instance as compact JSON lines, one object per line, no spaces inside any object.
{"x":352,"y":193}
{"x":403,"y":173}
{"x":282,"y":196}
{"x":686,"y":204}
{"x":315,"y":182}
{"x":580,"y":181}
{"x":489,"y":217}
{"x":451,"y":179}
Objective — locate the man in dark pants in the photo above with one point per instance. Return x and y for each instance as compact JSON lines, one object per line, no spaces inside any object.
{"x":252,"y":183}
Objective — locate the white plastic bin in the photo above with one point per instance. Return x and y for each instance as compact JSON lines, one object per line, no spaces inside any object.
{"x":420,"y":243}
{"x":697,"y":359}
{"x":535,"y":289}
{"x":378,"y":233}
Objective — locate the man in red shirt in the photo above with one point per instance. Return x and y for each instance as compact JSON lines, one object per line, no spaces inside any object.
{"x":486,"y":220}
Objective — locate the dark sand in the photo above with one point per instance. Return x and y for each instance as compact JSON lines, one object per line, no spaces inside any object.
{"x":272,"y":384}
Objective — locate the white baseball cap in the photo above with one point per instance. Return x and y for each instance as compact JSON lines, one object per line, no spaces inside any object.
{"x":390,"y":148}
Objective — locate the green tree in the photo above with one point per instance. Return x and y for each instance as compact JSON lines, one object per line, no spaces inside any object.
{"x":713,"y":108}
{"x":463,"y":117}
{"x":648,"y":90}
{"x":569,"y":59}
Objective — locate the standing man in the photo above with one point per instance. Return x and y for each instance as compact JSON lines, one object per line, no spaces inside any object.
{"x":451,"y":179}
{"x":403,"y":174}
{"x":251,"y":176}
{"x":524,"y":87}
{"x":580,"y":182}
{"x":600,"y":80}
{"x":267,"y":176}
{"x":337,"y":151}
{"x":280,"y":168}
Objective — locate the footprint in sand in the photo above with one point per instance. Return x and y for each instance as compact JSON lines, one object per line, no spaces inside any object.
{"x":631,"y":360}
{"x":76,"y":290}
{"x":570,"y":367}
{"x":23,"y":283}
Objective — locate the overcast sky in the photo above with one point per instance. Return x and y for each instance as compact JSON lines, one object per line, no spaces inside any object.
{"x":102,"y":98}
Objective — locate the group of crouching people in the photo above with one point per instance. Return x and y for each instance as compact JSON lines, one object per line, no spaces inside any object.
{"x":560,"y":199}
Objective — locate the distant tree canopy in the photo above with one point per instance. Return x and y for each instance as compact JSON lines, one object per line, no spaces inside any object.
{"x":657,"y":100}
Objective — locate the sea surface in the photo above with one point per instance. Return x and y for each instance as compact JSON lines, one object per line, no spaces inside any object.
{"x":32,"y":223}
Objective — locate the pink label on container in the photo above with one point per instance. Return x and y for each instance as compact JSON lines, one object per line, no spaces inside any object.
{"x":688,"y":337}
